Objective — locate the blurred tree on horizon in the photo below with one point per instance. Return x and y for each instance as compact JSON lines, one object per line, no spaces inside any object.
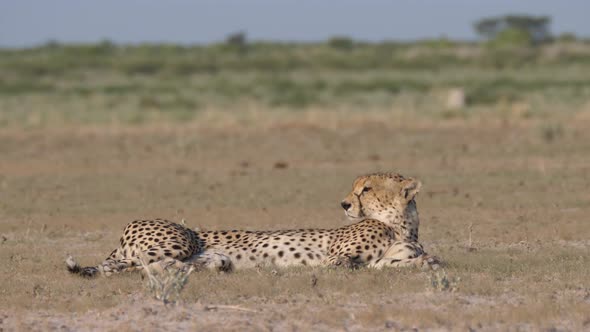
{"x":537,"y":28}
{"x":238,"y":41}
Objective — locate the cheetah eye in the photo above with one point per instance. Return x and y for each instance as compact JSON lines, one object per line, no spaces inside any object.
{"x":366,"y":189}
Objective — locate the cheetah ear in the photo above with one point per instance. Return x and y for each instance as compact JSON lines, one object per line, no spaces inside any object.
{"x":410,"y":188}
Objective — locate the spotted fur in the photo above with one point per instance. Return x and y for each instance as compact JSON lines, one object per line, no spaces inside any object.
{"x":385,"y":234}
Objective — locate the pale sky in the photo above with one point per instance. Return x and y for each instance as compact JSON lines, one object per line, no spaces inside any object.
{"x":29,"y":22}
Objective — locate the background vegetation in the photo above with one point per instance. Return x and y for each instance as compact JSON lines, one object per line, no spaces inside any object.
{"x":105,"y":83}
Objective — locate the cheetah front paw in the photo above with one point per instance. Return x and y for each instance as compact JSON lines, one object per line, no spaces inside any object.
{"x":428,"y":262}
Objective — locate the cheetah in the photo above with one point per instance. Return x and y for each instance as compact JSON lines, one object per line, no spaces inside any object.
{"x":384,"y":233}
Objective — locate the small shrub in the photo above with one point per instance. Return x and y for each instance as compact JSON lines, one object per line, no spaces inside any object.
{"x":142,"y":66}
{"x":24,"y":87}
{"x":237,"y":42}
{"x":453,"y":113}
{"x":166,"y":284}
{"x":438,"y":43}
{"x":490,"y":93}
{"x":237,"y":39}
{"x":341,"y":43}
{"x":290,"y":93}
{"x":511,"y":38}
{"x":441,"y":282}
{"x":567,"y":37}
{"x":149,"y":102}
{"x":551,"y":132}
{"x":121,"y":89}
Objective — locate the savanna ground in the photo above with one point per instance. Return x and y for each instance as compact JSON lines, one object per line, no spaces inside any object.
{"x":505,"y":198}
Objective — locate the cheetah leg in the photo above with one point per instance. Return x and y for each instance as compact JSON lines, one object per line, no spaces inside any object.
{"x":206,"y":260}
{"x":212,"y":260}
{"x":126,"y":260}
{"x":342,"y":261}
{"x":405,"y":254}
{"x":110,"y":267}
{"x":160,"y":266}
{"x":115,"y":263}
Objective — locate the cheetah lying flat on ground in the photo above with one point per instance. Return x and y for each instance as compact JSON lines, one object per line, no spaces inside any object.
{"x":385,"y":234}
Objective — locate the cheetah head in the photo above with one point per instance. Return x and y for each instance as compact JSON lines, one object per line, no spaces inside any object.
{"x":387,"y":197}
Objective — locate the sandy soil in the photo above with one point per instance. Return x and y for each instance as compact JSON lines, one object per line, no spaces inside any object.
{"x":506,"y":208}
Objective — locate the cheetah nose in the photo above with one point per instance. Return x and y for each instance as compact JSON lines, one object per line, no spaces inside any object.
{"x":345,"y":205}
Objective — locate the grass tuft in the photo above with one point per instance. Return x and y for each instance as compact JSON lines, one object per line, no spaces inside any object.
{"x":551,"y":132}
{"x":440,"y":282}
{"x":166,"y":284}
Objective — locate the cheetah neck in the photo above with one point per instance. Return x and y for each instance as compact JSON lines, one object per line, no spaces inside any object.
{"x":406,"y":225}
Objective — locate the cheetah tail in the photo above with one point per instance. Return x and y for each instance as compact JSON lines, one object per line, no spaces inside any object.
{"x":75,"y":268}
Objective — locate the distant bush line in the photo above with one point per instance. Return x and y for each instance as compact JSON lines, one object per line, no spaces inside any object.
{"x":336,"y":54}
{"x":339,"y":71}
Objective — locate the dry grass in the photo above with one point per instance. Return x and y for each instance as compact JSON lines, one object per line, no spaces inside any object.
{"x":505,"y":207}
{"x":165,"y":283}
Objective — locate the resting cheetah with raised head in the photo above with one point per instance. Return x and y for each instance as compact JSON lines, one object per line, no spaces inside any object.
{"x":385,"y":234}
